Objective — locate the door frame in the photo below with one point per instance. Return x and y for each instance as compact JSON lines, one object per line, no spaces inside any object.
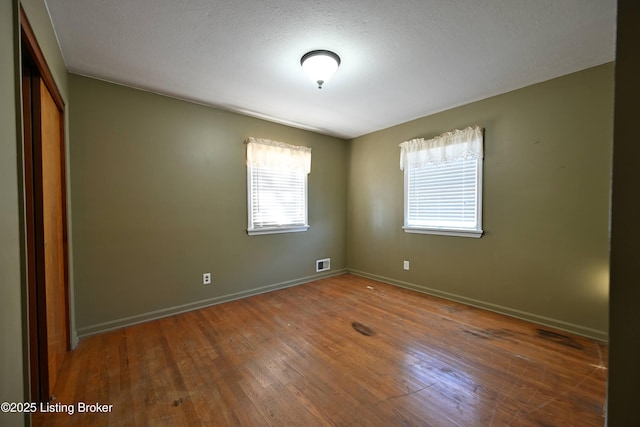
{"x":35,"y":65}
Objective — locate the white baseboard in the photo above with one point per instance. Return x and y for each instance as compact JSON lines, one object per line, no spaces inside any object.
{"x":170,"y":311}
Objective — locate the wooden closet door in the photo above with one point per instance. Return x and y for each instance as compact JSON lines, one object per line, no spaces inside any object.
{"x":52,"y":283}
{"x":45,"y":226}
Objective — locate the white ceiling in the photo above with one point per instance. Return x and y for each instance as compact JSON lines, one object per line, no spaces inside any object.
{"x":401,"y":59}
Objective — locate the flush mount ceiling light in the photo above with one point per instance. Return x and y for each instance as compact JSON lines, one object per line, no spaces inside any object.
{"x":320,"y":65}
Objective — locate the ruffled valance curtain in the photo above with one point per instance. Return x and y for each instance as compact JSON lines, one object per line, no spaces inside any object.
{"x":264,"y":153}
{"x":451,"y":146}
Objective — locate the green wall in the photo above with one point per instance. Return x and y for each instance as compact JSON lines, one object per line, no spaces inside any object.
{"x":11,"y":333}
{"x":159,"y":197}
{"x":544,"y":254}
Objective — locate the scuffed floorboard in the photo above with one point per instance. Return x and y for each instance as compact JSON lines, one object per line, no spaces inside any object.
{"x":342,"y":351}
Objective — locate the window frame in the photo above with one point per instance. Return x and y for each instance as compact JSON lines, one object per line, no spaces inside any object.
{"x":275,"y":168}
{"x":476,"y":232}
{"x":275,"y":229}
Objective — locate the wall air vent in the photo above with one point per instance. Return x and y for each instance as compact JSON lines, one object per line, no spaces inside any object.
{"x":323,"y":265}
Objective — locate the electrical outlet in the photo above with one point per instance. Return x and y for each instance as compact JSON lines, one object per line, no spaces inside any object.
{"x":206,"y":279}
{"x":406,"y":265}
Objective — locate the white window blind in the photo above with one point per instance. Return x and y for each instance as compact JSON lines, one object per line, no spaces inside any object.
{"x":277,"y":186}
{"x":443,"y":195}
{"x":443,"y":184}
{"x":278,"y":198}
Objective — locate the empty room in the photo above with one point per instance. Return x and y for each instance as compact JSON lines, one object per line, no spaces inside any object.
{"x":318,"y":213}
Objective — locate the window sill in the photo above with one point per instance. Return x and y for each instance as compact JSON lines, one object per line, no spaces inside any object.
{"x":277,"y":230}
{"x":445,"y":232}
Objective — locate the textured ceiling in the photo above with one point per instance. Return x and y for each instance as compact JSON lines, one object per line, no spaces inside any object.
{"x":401,"y":59}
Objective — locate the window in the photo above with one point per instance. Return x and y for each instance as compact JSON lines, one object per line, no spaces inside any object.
{"x":443,"y":183}
{"x":277,"y":186}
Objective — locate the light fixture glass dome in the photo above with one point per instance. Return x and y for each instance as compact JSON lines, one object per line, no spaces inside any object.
{"x":320,"y":65}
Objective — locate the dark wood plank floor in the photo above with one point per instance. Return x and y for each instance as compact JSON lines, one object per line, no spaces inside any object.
{"x":293,"y":358}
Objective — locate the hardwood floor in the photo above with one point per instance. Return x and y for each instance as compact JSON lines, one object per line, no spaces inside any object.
{"x":293,"y":358}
